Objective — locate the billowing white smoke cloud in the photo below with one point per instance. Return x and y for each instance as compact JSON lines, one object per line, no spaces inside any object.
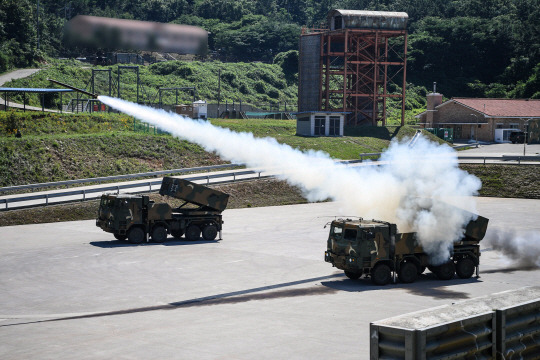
{"x":407,"y":191}
{"x":523,"y":248}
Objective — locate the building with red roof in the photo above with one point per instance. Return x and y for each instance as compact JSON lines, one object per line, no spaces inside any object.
{"x":479,"y":119}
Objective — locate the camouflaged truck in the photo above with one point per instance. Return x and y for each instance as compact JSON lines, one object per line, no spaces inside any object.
{"x":135,"y":216}
{"x":375,"y":248}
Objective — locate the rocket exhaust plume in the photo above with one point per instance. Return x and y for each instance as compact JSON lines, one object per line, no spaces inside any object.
{"x":522,"y":249}
{"x":409,"y":191}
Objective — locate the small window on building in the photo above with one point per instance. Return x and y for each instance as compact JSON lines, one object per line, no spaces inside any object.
{"x":500,"y":126}
{"x":513,"y":126}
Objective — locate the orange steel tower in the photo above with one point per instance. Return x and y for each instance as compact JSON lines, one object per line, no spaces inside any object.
{"x":354,"y":65}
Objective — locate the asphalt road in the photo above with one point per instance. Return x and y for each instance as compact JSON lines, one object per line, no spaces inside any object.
{"x":69,"y":290}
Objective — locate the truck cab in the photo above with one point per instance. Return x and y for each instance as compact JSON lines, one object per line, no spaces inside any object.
{"x":356,"y":246}
{"x":118,"y":213}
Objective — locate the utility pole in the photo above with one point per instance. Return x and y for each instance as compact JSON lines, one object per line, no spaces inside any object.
{"x":219,"y":91}
{"x":37,"y":27}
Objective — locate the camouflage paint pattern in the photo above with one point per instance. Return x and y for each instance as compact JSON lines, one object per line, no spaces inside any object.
{"x":476,"y":229}
{"x":377,"y":241}
{"x":118,"y":212}
{"x":194,"y":193}
{"x":157,"y":212}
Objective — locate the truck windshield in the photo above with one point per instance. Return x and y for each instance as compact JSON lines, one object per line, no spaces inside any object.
{"x":337,"y":232}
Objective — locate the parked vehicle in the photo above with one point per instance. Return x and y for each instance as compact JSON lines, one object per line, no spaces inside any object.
{"x":135,"y":216}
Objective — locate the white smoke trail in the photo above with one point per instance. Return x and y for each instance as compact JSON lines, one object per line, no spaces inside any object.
{"x":523,"y":249}
{"x":407,"y":192}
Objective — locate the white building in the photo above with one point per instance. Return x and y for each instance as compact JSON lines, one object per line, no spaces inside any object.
{"x":320,"y":123}
{"x":200,"y":109}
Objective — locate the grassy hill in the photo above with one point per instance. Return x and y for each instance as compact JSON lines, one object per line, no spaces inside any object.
{"x":247,"y":82}
{"x":58,"y":147}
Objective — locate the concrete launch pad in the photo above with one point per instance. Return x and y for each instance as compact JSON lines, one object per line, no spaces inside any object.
{"x":69,"y":290}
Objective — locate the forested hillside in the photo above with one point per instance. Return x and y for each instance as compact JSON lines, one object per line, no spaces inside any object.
{"x":470,"y":47}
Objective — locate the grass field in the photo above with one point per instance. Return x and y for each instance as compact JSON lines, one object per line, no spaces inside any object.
{"x":56,"y":147}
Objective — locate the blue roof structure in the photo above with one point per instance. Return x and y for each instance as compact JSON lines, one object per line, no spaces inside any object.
{"x":33,"y":90}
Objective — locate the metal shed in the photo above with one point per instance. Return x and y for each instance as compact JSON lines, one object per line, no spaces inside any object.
{"x":362,"y":19}
{"x":320,"y":123}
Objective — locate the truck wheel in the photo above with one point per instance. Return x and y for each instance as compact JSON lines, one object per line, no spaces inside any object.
{"x":193,"y":232}
{"x":465,"y":268}
{"x":120,"y":237}
{"x":445,"y":271}
{"x":136,"y":235}
{"x":177,"y":233}
{"x":381,"y":274}
{"x":353,"y":275}
{"x":209,"y":232}
{"x":159,"y":233}
{"x":408,"y":273}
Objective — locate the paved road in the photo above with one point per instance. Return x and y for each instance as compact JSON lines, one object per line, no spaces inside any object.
{"x":502,"y":149}
{"x":262,"y":292}
{"x":19,"y":74}
{"x":16,"y":74}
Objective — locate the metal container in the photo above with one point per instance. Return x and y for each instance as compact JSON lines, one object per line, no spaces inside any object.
{"x":362,"y":19}
{"x":518,"y":331}
{"x":194,"y":193}
{"x":430,"y":338}
{"x":500,"y":324}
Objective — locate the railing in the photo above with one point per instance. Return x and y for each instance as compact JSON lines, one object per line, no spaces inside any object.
{"x":142,"y":186}
{"x":115,"y":178}
{"x":501,"y":160}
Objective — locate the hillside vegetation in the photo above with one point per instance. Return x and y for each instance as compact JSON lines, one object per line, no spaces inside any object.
{"x":56,"y":147}
{"x":247,"y":82}
{"x":470,"y":47}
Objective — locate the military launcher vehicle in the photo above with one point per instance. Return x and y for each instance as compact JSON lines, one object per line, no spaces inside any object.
{"x":375,"y":248}
{"x":135,"y":216}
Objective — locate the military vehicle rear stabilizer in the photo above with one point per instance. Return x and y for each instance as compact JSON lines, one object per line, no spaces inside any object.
{"x":375,"y":248}
{"x":136,"y":217}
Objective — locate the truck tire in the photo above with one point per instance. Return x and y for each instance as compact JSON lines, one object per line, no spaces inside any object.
{"x":159,"y":233}
{"x":465,"y":268}
{"x":193,"y":233}
{"x":445,"y":271}
{"x":209,"y":232}
{"x":136,"y":235}
{"x":177,"y":233}
{"x":120,"y":237}
{"x":408,"y":273}
{"x":353,"y":275}
{"x":381,"y":274}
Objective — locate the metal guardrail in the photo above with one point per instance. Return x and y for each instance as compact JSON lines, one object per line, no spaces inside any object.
{"x":466,"y":146}
{"x":504,"y":158}
{"x":104,"y":188}
{"x":115,"y":178}
{"x":117,"y":188}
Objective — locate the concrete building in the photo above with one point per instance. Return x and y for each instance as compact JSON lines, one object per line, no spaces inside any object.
{"x":489,"y":120}
{"x":320,"y":123}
